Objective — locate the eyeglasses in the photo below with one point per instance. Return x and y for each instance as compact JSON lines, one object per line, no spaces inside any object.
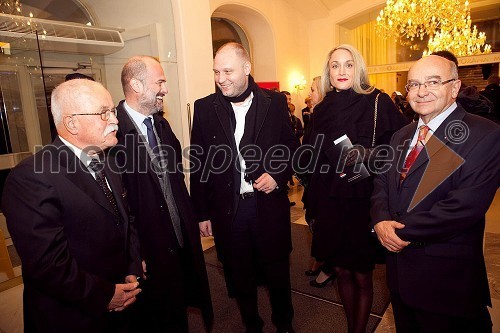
{"x":434,"y":84}
{"x":104,"y":114}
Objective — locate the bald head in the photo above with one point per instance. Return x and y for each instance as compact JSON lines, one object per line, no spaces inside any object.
{"x":237,"y":48}
{"x":84,"y":114}
{"x":433,"y":86}
{"x":231,"y":69}
{"x":136,"y":68}
{"x":75,"y":96}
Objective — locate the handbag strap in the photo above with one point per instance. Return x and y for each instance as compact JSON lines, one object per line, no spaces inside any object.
{"x":375,"y":120}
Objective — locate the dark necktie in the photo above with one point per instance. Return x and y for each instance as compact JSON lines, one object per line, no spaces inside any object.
{"x":98,"y":167}
{"x":153,"y":143}
{"x":166,"y":186}
{"x":412,"y":156}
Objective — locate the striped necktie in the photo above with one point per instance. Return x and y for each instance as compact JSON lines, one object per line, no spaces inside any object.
{"x":412,"y":156}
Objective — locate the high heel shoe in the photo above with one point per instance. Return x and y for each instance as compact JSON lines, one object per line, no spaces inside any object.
{"x":313,"y":272}
{"x":317,"y":284}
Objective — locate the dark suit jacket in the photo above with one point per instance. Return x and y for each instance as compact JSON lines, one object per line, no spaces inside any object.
{"x":215,"y":183}
{"x":152,"y":216}
{"x":72,"y":248}
{"x":444,"y":271}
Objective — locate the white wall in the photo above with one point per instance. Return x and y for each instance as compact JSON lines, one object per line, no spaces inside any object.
{"x":278,"y":36}
{"x":285,"y":44}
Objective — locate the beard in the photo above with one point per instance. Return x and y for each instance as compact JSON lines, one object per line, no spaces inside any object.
{"x":151,"y":102}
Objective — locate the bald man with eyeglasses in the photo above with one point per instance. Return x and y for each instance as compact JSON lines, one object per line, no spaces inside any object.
{"x":66,"y":211}
{"x":428,"y":209}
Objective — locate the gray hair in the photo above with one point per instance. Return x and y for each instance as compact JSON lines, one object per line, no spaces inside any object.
{"x":71,"y":95}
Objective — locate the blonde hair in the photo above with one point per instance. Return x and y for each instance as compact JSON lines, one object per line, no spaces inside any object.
{"x":319,"y":88}
{"x":361,"y":83}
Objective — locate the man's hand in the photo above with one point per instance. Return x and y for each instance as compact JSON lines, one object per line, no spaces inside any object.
{"x":386,"y":233}
{"x":265,"y":183}
{"x":125,"y":295}
{"x":205,"y":228}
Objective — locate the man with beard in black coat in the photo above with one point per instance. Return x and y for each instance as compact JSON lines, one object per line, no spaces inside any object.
{"x":170,"y":241}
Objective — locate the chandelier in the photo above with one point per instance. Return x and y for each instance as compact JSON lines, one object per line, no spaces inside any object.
{"x":459,"y":39}
{"x":447,"y":23}
{"x":12,"y":7}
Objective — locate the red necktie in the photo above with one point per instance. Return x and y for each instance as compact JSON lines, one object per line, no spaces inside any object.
{"x":412,"y":156}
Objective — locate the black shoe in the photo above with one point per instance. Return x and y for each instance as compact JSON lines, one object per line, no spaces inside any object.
{"x":292,"y":203}
{"x":317,"y":284}
{"x":313,"y":273}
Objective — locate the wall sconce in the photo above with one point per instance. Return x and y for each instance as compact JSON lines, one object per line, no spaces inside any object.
{"x":299,"y":83}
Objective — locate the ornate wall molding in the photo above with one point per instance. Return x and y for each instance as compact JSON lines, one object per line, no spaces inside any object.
{"x":462,"y":61}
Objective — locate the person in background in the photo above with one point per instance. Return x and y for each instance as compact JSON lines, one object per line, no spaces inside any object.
{"x":171,"y":251}
{"x":399,"y":100}
{"x":68,"y":218}
{"x":73,"y":76}
{"x":288,"y":96}
{"x":307,"y":111}
{"x":296,"y":123}
{"x":245,"y":206}
{"x":428,"y":208}
{"x":468,"y":97}
{"x":289,"y":103}
{"x":492,"y":92}
{"x":316,"y":95}
{"x":342,"y":237}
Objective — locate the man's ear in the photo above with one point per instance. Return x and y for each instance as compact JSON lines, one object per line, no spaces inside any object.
{"x":247,"y":67}
{"x":70,"y":123}
{"x":136,"y":85}
{"x":455,"y":88}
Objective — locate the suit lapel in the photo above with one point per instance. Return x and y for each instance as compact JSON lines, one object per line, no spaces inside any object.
{"x":119,"y":192}
{"x":79,"y":175}
{"x":440,"y":135}
{"x":223,"y":116}
{"x":263,"y":104}
{"x":128,"y":128}
{"x":405,"y":143}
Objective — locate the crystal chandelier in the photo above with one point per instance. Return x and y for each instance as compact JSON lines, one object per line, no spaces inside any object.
{"x":460,"y":39}
{"x":447,"y":23}
{"x":12,"y":7}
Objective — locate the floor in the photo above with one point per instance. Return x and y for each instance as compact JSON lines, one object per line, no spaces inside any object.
{"x":11,"y":290}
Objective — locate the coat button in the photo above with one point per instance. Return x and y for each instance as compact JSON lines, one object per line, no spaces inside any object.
{"x":229,"y":212}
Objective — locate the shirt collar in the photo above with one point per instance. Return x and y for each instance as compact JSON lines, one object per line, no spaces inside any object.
{"x":136,"y":116}
{"x":83,"y":157}
{"x":438,"y":120}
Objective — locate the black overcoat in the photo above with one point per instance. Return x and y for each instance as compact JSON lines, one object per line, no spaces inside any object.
{"x":215,"y":182}
{"x":73,"y":250}
{"x":151,"y":214}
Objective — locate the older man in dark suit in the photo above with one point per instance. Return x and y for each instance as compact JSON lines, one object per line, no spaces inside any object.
{"x":242,"y":143}
{"x":429,"y":209}
{"x":175,"y":270}
{"x":67,"y":214}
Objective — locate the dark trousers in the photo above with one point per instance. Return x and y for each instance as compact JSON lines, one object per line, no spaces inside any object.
{"x":161,"y":307}
{"x":411,"y":320}
{"x":247,"y":270}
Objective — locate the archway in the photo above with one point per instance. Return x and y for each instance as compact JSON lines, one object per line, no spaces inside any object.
{"x":260,"y":38}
